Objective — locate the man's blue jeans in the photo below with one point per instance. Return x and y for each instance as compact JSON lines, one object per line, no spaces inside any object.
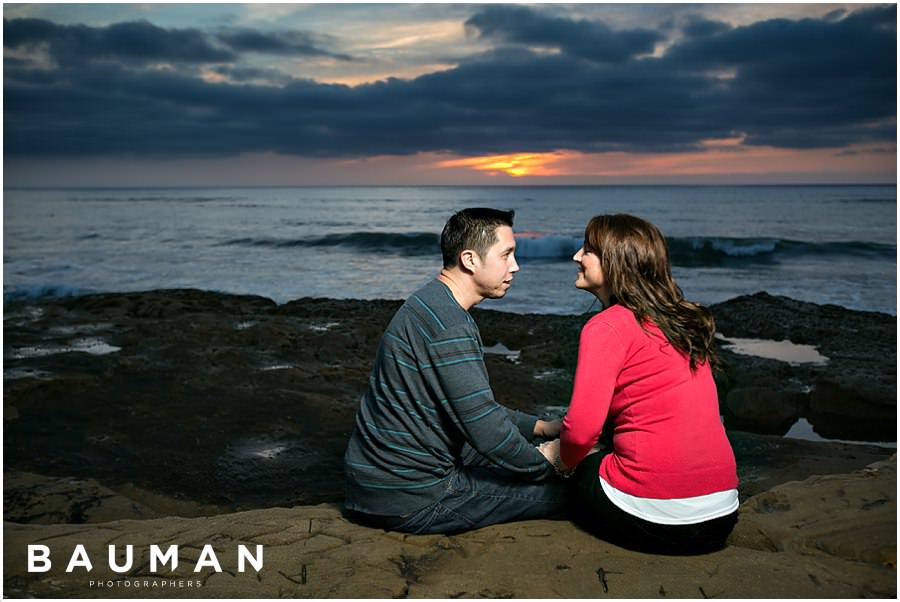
{"x":479,"y":494}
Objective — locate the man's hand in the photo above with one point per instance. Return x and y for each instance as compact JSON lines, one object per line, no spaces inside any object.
{"x":547,"y":429}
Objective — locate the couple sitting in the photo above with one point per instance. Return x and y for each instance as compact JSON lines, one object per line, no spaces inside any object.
{"x":433,"y":452}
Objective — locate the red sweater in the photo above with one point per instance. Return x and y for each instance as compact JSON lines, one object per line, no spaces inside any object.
{"x":668,"y":439}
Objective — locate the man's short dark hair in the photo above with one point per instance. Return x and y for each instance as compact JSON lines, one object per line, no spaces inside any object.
{"x":474,"y":229}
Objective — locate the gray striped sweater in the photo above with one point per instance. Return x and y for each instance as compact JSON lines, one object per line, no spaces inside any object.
{"x":428,"y":394}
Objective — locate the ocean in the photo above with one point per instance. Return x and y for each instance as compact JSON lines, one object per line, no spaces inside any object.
{"x":825,"y":244}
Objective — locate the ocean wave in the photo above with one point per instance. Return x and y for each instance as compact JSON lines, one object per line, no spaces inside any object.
{"x":694,"y":251}
{"x":690,"y":251}
{"x":42,"y":291}
{"x":532,"y":245}
{"x":396,"y":243}
{"x":700,"y":251}
{"x":713,"y":251}
{"x":703,"y":251}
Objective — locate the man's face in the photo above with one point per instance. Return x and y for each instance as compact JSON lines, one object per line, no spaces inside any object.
{"x":495,"y":270}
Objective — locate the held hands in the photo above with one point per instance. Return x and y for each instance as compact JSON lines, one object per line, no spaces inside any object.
{"x":550,"y":450}
{"x":548,"y":429}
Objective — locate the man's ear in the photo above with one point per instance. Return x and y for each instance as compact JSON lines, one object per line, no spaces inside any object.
{"x":467,"y":260}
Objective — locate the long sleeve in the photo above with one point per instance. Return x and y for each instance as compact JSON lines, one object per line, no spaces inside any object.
{"x":427,"y":397}
{"x":458,"y":367}
{"x":601,"y":356}
{"x":524,"y":422}
{"x":668,"y":439}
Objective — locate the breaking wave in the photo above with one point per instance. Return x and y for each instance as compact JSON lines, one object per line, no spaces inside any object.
{"x":695,"y":251}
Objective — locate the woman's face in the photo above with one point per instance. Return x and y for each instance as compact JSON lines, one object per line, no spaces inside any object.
{"x":590,"y":274}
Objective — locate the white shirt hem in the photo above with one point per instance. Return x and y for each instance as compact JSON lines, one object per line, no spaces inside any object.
{"x":679,"y":511}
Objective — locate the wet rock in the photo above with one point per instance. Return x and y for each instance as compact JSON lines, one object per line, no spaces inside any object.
{"x":191,"y":380}
{"x":862,"y":391}
{"x":211,"y":404}
{"x":834,"y":330}
{"x":765,"y":461}
{"x":854,"y":396}
{"x":31,"y":498}
{"x":768,"y":410}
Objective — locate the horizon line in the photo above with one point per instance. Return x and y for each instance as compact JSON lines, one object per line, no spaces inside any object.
{"x":609,"y":185}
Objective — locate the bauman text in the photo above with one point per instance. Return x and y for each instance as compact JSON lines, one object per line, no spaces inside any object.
{"x":39,"y":559}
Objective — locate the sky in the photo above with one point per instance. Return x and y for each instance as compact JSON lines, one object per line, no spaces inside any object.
{"x":469,"y":94}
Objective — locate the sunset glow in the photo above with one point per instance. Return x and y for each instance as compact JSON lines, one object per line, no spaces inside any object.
{"x":516,"y":165}
{"x":716,"y":157}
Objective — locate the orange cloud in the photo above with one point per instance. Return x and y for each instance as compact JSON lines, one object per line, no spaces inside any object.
{"x":517,"y":165}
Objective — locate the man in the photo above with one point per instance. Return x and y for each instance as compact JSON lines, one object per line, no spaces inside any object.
{"x":432,"y":452}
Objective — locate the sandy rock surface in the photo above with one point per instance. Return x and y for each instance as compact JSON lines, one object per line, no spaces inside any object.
{"x":790,"y":542}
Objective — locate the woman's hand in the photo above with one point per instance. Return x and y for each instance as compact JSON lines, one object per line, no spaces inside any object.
{"x":550,"y":450}
{"x":548,"y":429}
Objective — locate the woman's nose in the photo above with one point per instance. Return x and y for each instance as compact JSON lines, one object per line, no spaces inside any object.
{"x":578,"y":255}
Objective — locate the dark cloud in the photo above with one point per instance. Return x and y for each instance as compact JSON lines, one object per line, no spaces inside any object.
{"x":806,"y":83}
{"x":142,"y":42}
{"x":137,"y":41}
{"x":796,"y":84}
{"x":586,"y":39}
{"x":249,"y":74}
{"x":484,"y":106}
{"x":288,"y":43}
{"x":697,"y":26}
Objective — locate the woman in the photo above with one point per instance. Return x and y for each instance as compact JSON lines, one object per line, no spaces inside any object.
{"x":669,"y":483}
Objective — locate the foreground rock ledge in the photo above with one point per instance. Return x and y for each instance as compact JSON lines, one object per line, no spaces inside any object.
{"x":829,"y":536}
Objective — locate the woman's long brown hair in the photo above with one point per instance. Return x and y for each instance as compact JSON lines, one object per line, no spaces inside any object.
{"x":636,"y":266}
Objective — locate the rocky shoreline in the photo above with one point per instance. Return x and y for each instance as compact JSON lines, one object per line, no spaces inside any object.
{"x":223,"y":418}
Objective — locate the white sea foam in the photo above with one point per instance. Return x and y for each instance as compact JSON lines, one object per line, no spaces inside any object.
{"x":551,"y":374}
{"x":276,"y":367}
{"x":17,"y":373}
{"x":81,"y":328}
{"x":93,"y":346}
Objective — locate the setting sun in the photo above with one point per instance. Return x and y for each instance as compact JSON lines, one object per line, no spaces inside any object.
{"x":516,"y":165}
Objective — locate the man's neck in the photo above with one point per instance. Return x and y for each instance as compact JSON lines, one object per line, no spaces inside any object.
{"x":459,"y":288}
